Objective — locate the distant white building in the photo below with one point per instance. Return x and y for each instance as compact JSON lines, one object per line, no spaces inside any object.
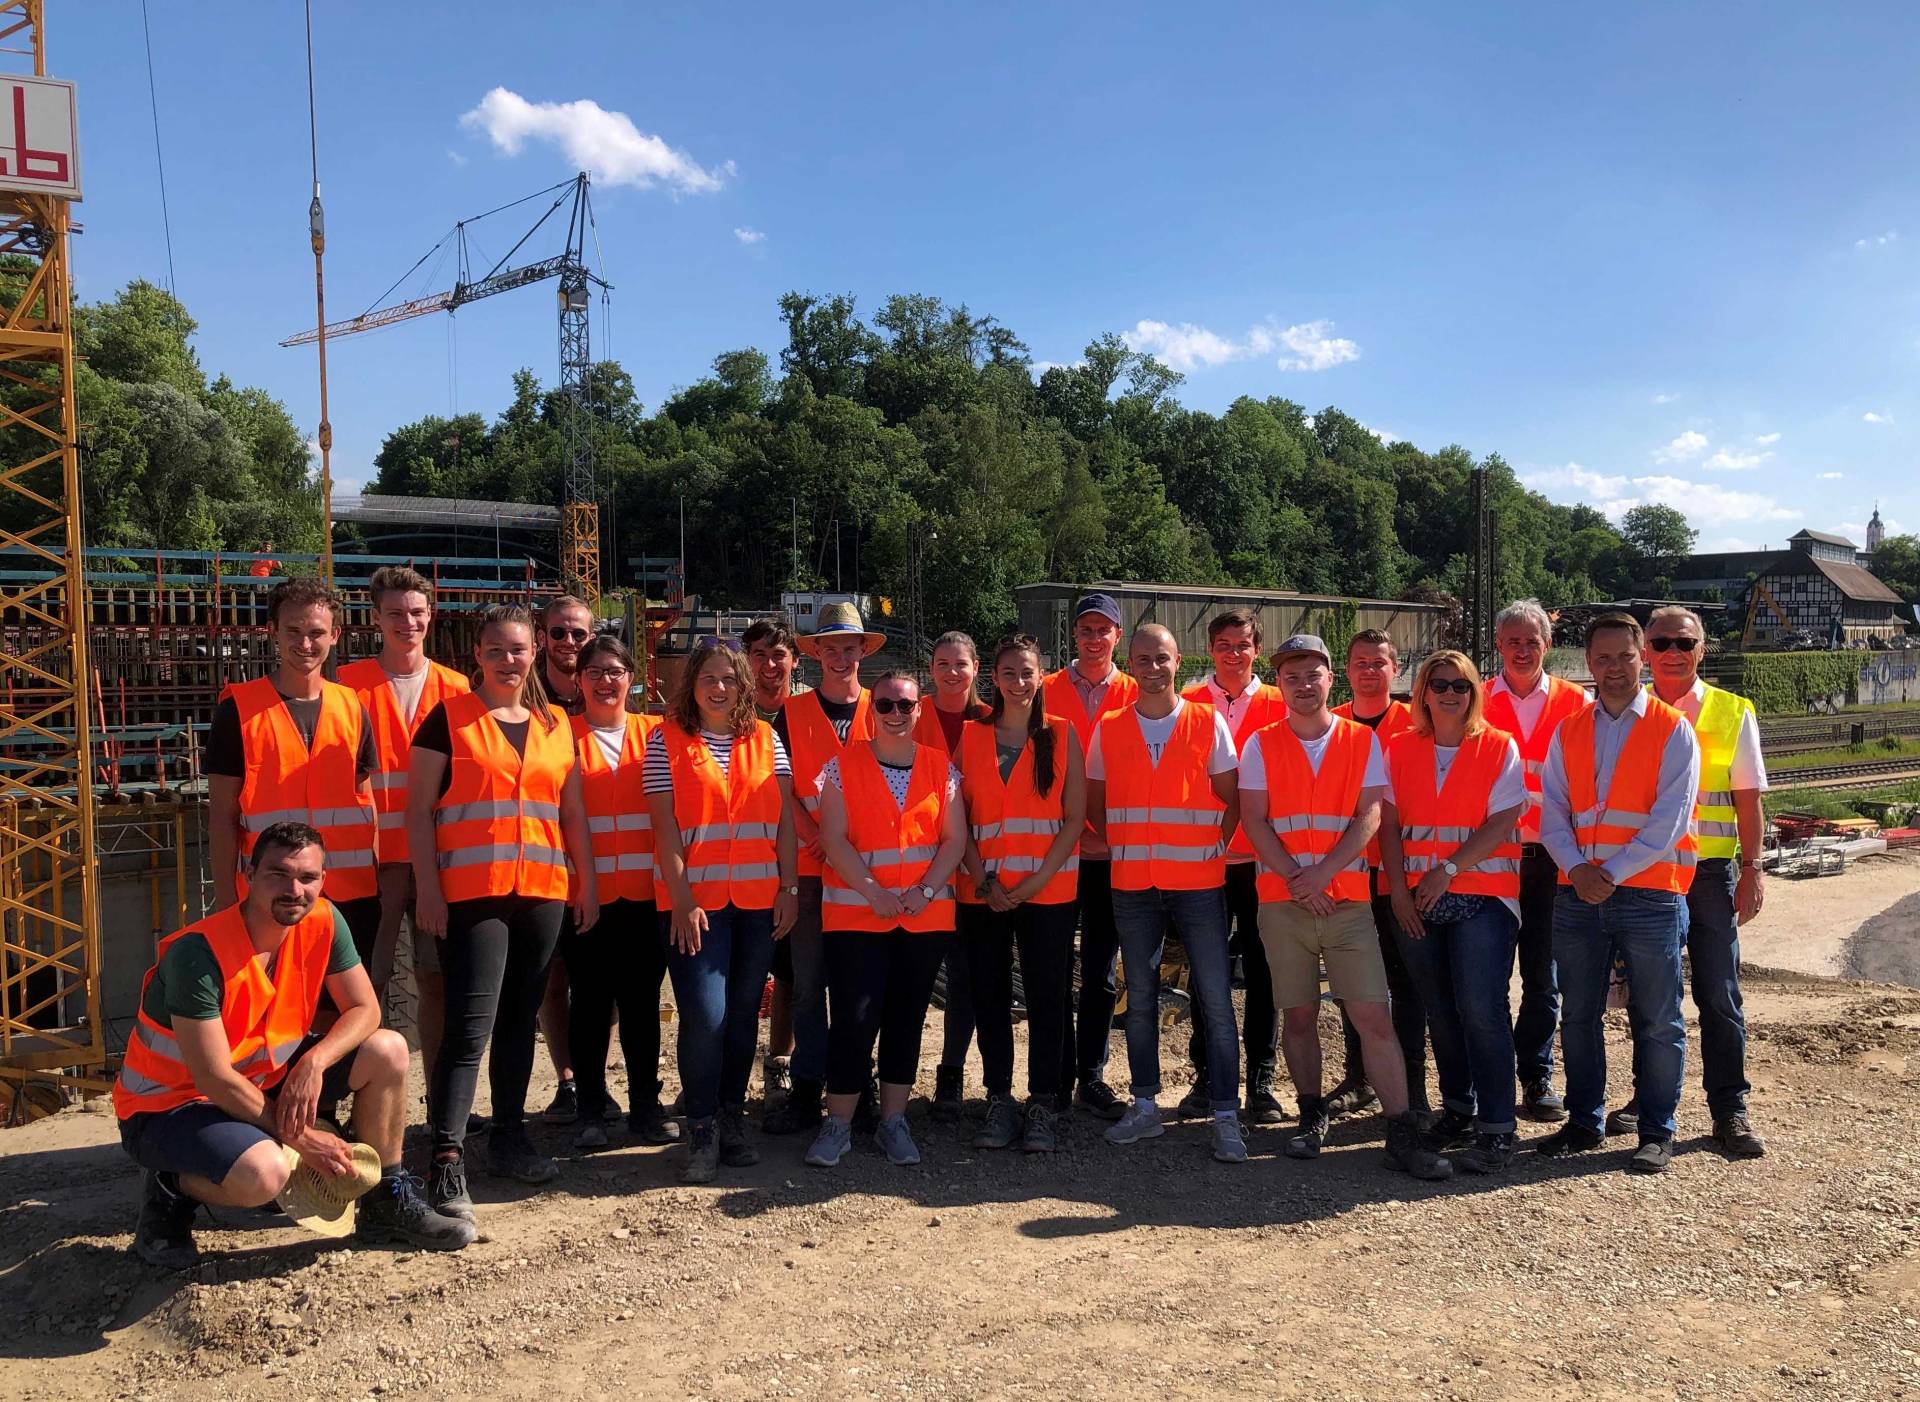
{"x":804,"y":607}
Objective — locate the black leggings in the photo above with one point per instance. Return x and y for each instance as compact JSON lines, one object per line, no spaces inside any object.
{"x":620,"y":963}
{"x":879,"y":983}
{"x":494,"y":959}
{"x":1044,"y":936}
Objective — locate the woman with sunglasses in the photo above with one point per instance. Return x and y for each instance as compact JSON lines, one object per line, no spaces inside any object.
{"x":955,"y":665}
{"x":622,"y":961}
{"x":494,"y":820}
{"x":1451,"y":851}
{"x":893,"y":829}
{"x":1021,"y":777}
{"x":720,"y":792}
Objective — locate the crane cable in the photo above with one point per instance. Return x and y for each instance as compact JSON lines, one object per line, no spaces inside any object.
{"x":317,"y":227}
{"x":153,"y":102}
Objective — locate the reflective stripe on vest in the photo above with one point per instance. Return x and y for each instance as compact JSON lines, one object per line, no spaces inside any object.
{"x":1309,"y":811}
{"x":1397,"y":720}
{"x":1258,"y":707}
{"x":1437,"y":818}
{"x":497,"y":828}
{"x":728,"y":824}
{"x":615,"y":799}
{"x":287,"y":780}
{"x":1564,"y":699}
{"x":1163,"y":820}
{"x":896,"y":842}
{"x":811,"y":742}
{"x":1062,"y":699}
{"x":393,"y":739}
{"x":1716,"y":822}
{"x":1605,"y":827}
{"x":1013,"y":825}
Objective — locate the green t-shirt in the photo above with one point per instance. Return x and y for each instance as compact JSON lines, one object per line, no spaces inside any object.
{"x":188,"y":982}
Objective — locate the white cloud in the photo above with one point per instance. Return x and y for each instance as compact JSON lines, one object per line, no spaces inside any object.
{"x":1733,"y":460}
{"x":1872,"y":418}
{"x":594,"y":139}
{"x":1313,"y":346}
{"x":456,"y":157}
{"x":1577,"y":479}
{"x":1706,"y":505}
{"x":749,"y":236}
{"x":1664,"y":398}
{"x":1830,"y":476}
{"x":1878,"y":240}
{"x":1037,"y":368}
{"x":1688,"y":445}
{"x":1309,"y":345}
{"x":1766,"y":440}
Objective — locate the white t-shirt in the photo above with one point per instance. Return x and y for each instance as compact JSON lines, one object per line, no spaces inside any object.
{"x":1157,"y":731}
{"x":611,"y":743}
{"x":1253,"y":768}
{"x":408,"y":690}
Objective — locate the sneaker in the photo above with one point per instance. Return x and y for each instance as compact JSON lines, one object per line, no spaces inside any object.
{"x":736,"y":1150}
{"x":1042,"y":1134}
{"x":1625,"y":1120}
{"x":1406,"y":1153}
{"x":592,"y":1135}
{"x":510,"y":1154}
{"x":1652,"y":1156}
{"x":564,"y":1108}
{"x":447,"y":1188}
{"x":866,"y":1110}
{"x":1196,"y":1104}
{"x":1736,"y":1138}
{"x":1352,"y":1096}
{"x":1096,"y":1097}
{"x":896,"y":1142}
{"x":1451,"y":1131}
{"x":649,"y":1122}
{"x":1002,"y":1126}
{"x":397,"y":1211}
{"x":949,"y":1093}
{"x":833,"y":1141}
{"x":1538,"y":1101}
{"x":776,"y":1078}
{"x":1489,"y":1153}
{"x":800,"y":1111}
{"x":1229,"y":1145}
{"x":1305,"y":1142}
{"x":1570,"y":1139}
{"x":163,"y":1236}
{"x":703,"y":1153}
{"x":1263,"y":1107}
{"x":1141,"y":1121}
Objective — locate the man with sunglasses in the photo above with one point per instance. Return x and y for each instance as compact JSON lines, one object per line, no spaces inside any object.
{"x":1728,"y":889}
{"x":566,"y":623}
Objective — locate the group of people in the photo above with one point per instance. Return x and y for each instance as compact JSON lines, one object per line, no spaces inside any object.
{"x":855,"y":838}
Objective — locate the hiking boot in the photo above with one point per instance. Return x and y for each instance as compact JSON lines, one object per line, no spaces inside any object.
{"x":1736,"y":1137}
{"x":1350,"y":1097}
{"x":776,"y":1078}
{"x":1406,"y":1153}
{"x":1196,"y":1104}
{"x":1539,"y":1101}
{"x":896,"y":1142}
{"x":736,"y":1150}
{"x":510,"y":1154}
{"x":703,"y":1152}
{"x":1141,"y":1121}
{"x":1042,"y":1135}
{"x":592,"y":1135}
{"x":163,"y":1236}
{"x":1489,"y":1153}
{"x":1229,"y":1144}
{"x":447,"y":1188}
{"x":949,"y":1093}
{"x":1003,"y":1123}
{"x":1625,"y":1120}
{"x":649,"y":1122}
{"x":1305,"y":1142}
{"x":564,"y":1108}
{"x":1451,"y":1131}
{"x":1097,"y":1099}
{"x":397,"y":1211}
{"x":831,"y":1143}
{"x":866,"y":1110}
{"x":1263,"y":1108}
{"x":1652,"y":1156}
{"x":1417,"y":1090}
{"x":799,"y":1112}
{"x":1570,"y":1138}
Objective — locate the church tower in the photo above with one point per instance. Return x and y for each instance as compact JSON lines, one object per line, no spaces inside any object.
{"x":1876,"y":532}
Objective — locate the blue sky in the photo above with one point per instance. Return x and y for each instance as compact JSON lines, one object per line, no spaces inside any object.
{"x":1644,"y":252}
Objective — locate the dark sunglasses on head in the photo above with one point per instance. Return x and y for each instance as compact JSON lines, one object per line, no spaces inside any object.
{"x":560,"y":635}
{"x":1459,"y":686}
{"x":886,"y":705}
{"x":715,"y":640}
{"x":1662,"y":644}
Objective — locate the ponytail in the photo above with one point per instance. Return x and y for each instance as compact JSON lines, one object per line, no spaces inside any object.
{"x":1039,"y":733}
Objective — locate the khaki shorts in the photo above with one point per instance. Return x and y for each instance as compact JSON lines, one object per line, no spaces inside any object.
{"x":1298,"y":942}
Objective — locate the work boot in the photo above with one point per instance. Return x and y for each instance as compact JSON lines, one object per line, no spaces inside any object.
{"x":1406,"y":1153}
{"x":163,"y":1236}
{"x":703,"y":1152}
{"x":799,"y":1112}
{"x":1196,"y":1104}
{"x":1003,"y":1123}
{"x":447,"y":1188}
{"x":949,"y":1093}
{"x":1041,"y":1136}
{"x":510,"y":1154}
{"x":1305,"y":1142}
{"x":1451,"y":1131}
{"x":649,"y":1122}
{"x":1736,"y":1138}
{"x":1489,"y":1153}
{"x":564,"y":1108}
{"x":1570,"y":1138}
{"x":1539,"y":1101}
{"x":1652,"y":1156}
{"x":736,"y":1150}
{"x":776,"y":1079}
{"x":1625,"y":1120}
{"x":1350,"y":1097}
{"x":397,"y":1211}
{"x":1263,"y":1107}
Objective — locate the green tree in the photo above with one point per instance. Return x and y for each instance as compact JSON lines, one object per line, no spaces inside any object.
{"x":1897,"y":562}
{"x":1655,"y":531}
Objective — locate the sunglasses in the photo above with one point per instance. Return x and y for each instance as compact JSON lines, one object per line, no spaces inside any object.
{"x":1662,"y":644}
{"x":1459,"y":686}
{"x":561,"y":635}
{"x":715,"y":640}
{"x":886,"y":705}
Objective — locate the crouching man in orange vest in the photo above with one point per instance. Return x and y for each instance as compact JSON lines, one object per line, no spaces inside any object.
{"x":224,"y":1065}
{"x":1617,"y":816}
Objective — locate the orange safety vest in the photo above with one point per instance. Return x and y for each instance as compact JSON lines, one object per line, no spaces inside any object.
{"x":927,"y":729}
{"x":1063,"y":699}
{"x":265,"y":1018}
{"x":1397,"y":720}
{"x":1605,"y":824}
{"x":1435,"y":821}
{"x":1564,"y":699}
{"x":810,"y":744}
{"x":897,"y":842}
{"x":729,"y":823}
{"x":393,"y":739}
{"x":1264,"y":708}
{"x":1013,"y":826}
{"x":287,"y":782}
{"x":497,"y":827}
{"x":617,"y":817}
{"x":1309,"y":812}
{"x":1163,"y":820}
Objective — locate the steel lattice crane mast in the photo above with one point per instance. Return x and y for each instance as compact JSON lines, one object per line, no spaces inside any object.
{"x":580,"y":509}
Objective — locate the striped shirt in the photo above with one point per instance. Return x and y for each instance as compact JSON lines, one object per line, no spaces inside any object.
{"x":656,"y":770}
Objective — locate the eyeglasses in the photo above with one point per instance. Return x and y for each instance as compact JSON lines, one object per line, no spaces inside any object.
{"x":1662,"y":644}
{"x":561,"y":635}
{"x":605,"y":674}
{"x":715,"y":640}
{"x":886,"y":705}
{"x":1459,"y":686}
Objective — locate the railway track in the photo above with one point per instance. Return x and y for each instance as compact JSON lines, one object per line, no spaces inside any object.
{"x":1797,"y":734}
{"x":1861,"y":774}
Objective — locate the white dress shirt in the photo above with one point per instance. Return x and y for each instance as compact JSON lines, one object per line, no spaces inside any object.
{"x":1527,"y":709}
{"x":1749,"y":767}
{"x":1672,"y":805}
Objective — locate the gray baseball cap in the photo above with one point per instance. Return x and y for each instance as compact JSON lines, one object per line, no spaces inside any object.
{"x":1302,"y":643}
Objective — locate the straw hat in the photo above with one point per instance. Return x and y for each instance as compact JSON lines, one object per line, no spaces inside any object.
{"x":322,"y":1202}
{"x":838,"y":621}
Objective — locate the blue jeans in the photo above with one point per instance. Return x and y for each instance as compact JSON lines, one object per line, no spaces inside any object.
{"x":1461,"y":971}
{"x":1646,"y":928}
{"x":809,"y":953}
{"x":1200,"y":920}
{"x":1713,"y":951}
{"x":718,"y":991}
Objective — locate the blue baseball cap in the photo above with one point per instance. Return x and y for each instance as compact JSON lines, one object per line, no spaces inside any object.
{"x":1101,"y":604}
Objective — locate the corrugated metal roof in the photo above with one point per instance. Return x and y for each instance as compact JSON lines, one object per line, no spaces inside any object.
{"x":381,"y":509}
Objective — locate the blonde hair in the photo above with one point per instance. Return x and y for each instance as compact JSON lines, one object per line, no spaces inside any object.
{"x":1476,"y":698}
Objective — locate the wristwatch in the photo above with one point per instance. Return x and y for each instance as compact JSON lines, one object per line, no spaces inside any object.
{"x":1449,"y":868}
{"x":791,"y":890}
{"x":928,"y":891}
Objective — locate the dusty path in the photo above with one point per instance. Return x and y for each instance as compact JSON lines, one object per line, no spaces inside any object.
{"x":1098,"y":1273}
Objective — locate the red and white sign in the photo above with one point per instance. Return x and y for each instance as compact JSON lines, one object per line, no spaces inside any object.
{"x":39,"y":136}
